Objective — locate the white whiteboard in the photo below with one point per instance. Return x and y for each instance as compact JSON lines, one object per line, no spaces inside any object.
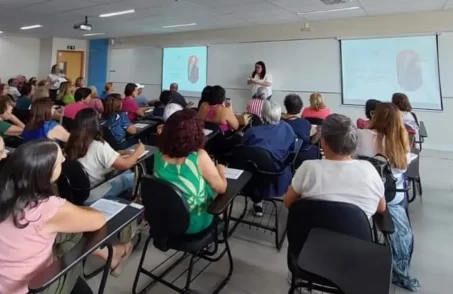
{"x":136,"y":65}
{"x":302,"y":65}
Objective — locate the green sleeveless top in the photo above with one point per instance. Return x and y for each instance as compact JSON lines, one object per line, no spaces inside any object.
{"x":188,"y":178}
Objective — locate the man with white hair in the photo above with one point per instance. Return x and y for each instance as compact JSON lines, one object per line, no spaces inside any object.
{"x":278,"y":138}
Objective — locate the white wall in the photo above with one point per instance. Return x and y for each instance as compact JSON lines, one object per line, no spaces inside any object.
{"x":18,"y":56}
{"x":389,"y":25}
{"x":45,"y":57}
{"x":62,"y":43}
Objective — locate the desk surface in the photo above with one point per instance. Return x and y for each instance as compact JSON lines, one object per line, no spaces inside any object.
{"x":234,"y":187}
{"x":354,"y":265}
{"x":89,"y":243}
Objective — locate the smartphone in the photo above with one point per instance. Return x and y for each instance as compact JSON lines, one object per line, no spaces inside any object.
{"x":227,"y":102}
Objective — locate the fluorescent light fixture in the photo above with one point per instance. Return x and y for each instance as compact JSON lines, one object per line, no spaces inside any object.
{"x":93,"y":34}
{"x":1,"y":32}
{"x":180,"y":25}
{"x":332,"y":10}
{"x":117,"y":13}
{"x":31,"y":27}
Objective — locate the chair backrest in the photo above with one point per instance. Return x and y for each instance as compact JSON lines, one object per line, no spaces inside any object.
{"x":67,"y":123}
{"x":107,"y":135}
{"x":73,"y":183}
{"x":22,"y":114}
{"x":343,"y":218}
{"x":166,"y":210}
{"x":255,"y":120}
{"x":252,"y":159}
{"x":416,"y":118}
{"x":315,"y":120}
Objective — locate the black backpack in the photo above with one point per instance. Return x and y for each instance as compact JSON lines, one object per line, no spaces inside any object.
{"x":382,"y":165}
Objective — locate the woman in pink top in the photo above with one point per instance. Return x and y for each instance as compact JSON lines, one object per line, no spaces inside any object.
{"x":82,"y":97}
{"x":317,"y":107}
{"x":370,"y":107}
{"x":31,"y":217}
{"x":215,"y":110}
{"x":130,"y":106}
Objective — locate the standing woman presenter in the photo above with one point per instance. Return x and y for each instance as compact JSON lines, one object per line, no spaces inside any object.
{"x":260,"y":78}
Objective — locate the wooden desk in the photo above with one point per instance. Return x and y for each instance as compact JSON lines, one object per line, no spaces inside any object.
{"x":354,"y":265}
{"x":143,"y":126}
{"x":234,"y":187}
{"x":89,"y":243}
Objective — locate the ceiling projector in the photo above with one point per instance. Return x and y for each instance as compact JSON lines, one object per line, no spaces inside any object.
{"x":83,"y":26}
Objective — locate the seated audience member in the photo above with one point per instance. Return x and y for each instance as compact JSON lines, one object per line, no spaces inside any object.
{"x":4,"y":89}
{"x":402,"y":102}
{"x":164,"y":99}
{"x":108,"y":89}
{"x":302,"y":127}
{"x":317,"y":108}
{"x":66,"y":93}
{"x":13,"y":91}
{"x":21,"y":80}
{"x":10,"y":125}
{"x":40,"y":92}
{"x":79,"y":83}
{"x":370,"y":108}
{"x":278,"y":138}
{"x":174,"y":88}
{"x":170,"y":109}
{"x":255,"y":105}
{"x":387,"y":135}
{"x":205,"y":95}
{"x":33,"y":220}
{"x":214,"y":110}
{"x":130,"y":105}
{"x":82,"y":99}
{"x":117,"y":120}
{"x":338,"y":177}
{"x":24,"y":101}
{"x":182,"y":161}
{"x":176,"y":97}
{"x":95,"y":102}
{"x":86,"y":145}
{"x":41,"y":124}
{"x":33,"y":81}
{"x":141,"y":100}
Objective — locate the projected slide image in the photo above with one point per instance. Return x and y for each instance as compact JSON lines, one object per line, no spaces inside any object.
{"x":186,"y":66}
{"x":377,"y":68}
{"x":409,"y":70}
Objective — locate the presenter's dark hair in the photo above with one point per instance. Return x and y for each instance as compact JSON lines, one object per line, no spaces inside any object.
{"x":217,"y":95}
{"x":263,"y":72}
{"x":293,"y":104}
{"x":129,"y":89}
{"x":26,"y":179}
{"x":370,"y":107}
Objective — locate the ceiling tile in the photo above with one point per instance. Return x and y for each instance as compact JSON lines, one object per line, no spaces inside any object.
{"x":224,"y":3}
{"x":397,"y":6}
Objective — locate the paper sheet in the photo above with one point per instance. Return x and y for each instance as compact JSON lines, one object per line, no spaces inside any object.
{"x":232,"y":173}
{"x":149,"y":110}
{"x":206,"y":132}
{"x":136,"y":205}
{"x":140,"y":126}
{"x":108,"y":207}
{"x":143,"y":154}
{"x":6,"y":151}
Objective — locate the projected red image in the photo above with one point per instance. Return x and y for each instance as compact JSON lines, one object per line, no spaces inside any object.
{"x":409,"y":70}
{"x":193,"y":69}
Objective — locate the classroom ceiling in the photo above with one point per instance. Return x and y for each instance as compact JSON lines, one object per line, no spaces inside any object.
{"x":58,"y":16}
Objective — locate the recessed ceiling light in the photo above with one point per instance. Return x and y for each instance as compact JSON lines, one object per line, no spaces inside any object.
{"x":180,"y":25}
{"x":93,"y":34}
{"x":31,"y":27}
{"x":332,"y":10}
{"x":117,"y":13}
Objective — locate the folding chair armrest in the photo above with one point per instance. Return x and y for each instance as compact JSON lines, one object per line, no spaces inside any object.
{"x":384,"y":222}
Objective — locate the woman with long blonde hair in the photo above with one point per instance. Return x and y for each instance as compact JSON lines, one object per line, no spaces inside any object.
{"x":317,"y":108}
{"x":387,"y":135}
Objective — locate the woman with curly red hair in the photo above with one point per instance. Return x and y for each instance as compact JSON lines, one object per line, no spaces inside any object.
{"x":182,"y":162}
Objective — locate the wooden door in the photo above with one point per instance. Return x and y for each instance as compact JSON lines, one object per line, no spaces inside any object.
{"x":71,"y":63}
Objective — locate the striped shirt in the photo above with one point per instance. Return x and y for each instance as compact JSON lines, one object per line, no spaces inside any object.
{"x":255,"y":106}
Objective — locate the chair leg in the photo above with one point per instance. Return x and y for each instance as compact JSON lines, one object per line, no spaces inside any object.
{"x":236,"y":220}
{"x":420,"y":189}
{"x":189,"y":275}
{"x":105,"y":274}
{"x":230,"y":270}
{"x":140,"y":265}
{"x":278,"y":240}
